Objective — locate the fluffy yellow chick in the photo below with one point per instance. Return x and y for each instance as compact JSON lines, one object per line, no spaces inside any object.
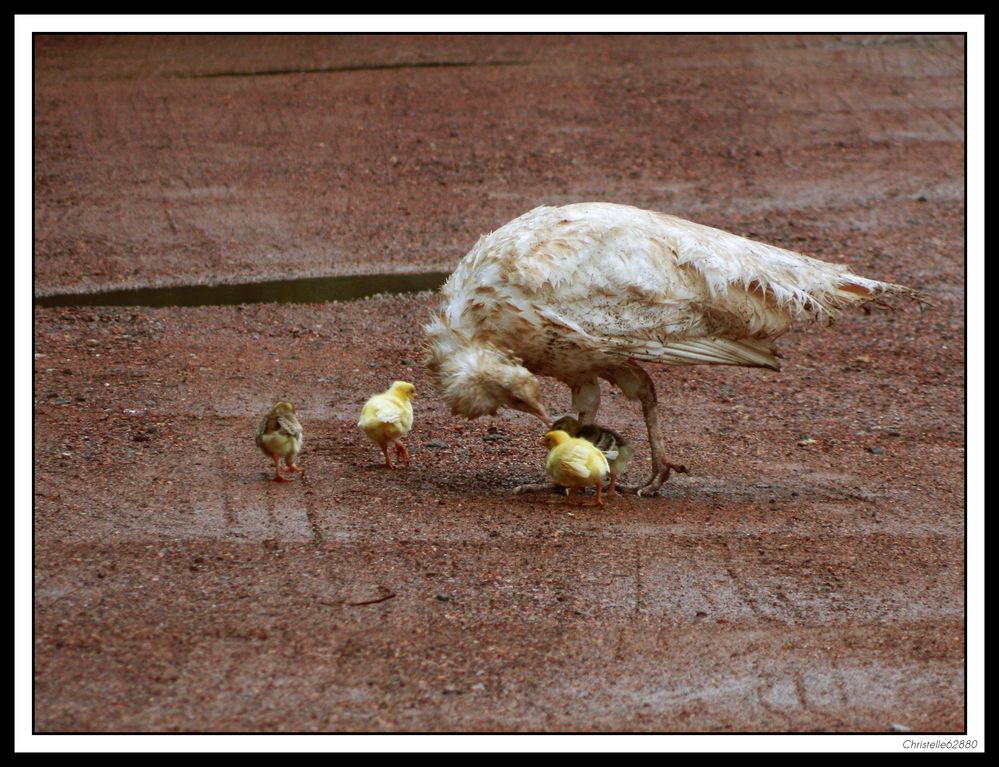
{"x":388,"y":417}
{"x":615,"y":448}
{"x":574,"y":462}
{"x":279,"y":435}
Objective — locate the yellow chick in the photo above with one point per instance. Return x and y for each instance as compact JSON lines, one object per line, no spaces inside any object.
{"x":388,"y":417}
{"x":615,"y":448}
{"x":279,"y":435}
{"x":574,"y":462}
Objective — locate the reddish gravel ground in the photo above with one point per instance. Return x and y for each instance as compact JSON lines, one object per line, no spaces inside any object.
{"x":778,"y":587}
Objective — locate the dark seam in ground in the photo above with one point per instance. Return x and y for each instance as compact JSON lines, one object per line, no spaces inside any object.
{"x":356,"y":68}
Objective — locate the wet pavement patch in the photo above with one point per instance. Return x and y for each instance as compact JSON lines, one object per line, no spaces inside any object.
{"x":311,"y":290}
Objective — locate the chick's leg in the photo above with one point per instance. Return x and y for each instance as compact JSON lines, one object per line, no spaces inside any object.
{"x":291,"y":463}
{"x":384,"y":447}
{"x":277,"y":469}
{"x":600,"y":501}
{"x":611,"y":489}
{"x":636,"y":384}
{"x":401,"y":454}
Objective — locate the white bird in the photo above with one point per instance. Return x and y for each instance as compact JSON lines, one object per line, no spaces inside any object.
{"x":585,"y":291}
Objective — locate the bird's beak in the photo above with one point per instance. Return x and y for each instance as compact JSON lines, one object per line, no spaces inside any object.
{"x":529,"y":406}
{"x":539,"y":411}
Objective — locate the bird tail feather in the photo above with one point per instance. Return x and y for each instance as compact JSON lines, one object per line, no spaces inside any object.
{"x":748,"y":352}
{"x":859,"y":291}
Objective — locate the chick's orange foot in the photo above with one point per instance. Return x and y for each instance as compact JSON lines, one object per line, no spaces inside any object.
{"x":388,"y":463}
{"x":401,"y":454}
{"x":597,"y":501}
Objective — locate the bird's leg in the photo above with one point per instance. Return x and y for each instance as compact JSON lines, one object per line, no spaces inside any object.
{"x":289,"y":461}
{"x":401,"y":454}
{"x":384,"y":447}
{"x":636,"y":384}
{"x":661,"y":467}
{"x":277,"y":470}
{"x":586,"y":400}
{"x":600,"y":501}
{"x":613,"y":480}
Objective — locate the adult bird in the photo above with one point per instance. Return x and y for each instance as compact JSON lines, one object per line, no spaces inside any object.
{"x":588,"y":291}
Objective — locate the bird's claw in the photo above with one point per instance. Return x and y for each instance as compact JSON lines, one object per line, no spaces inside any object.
{"x":659,"y":476}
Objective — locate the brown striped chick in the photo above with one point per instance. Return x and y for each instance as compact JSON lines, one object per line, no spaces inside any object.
{"x":388,"y":417}
{"x":574,"y":462}
{"x":615,"y":448}
{"x":279,"y":436}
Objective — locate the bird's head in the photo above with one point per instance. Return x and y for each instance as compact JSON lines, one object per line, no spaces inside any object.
{"x":554,"y":438}
{"x":403,"y":389}
{"x":519,"y":390}
{"x":284,"y":408}
{"x":477,"y":380}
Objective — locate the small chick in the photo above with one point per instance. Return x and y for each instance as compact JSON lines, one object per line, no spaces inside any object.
{"x":574,"y":462}
{"x":388,"y":417}
{"x":279,"y":435}
{"x":614,"y":447}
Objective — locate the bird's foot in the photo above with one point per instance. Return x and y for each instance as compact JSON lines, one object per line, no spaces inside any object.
{"x":659,"y":476}
{"x":539,"y":488}
{"x":401,"y":454}
{"x":612,"y":488}
{"x":279,"y":478}
{"x":295,"y":467}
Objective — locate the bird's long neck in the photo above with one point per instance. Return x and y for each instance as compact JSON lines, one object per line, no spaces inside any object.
{"x":443,"y":346}
{"x":449,"y":355}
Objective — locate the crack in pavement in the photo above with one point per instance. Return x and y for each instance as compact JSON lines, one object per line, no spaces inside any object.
{"x":354,"y":68}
